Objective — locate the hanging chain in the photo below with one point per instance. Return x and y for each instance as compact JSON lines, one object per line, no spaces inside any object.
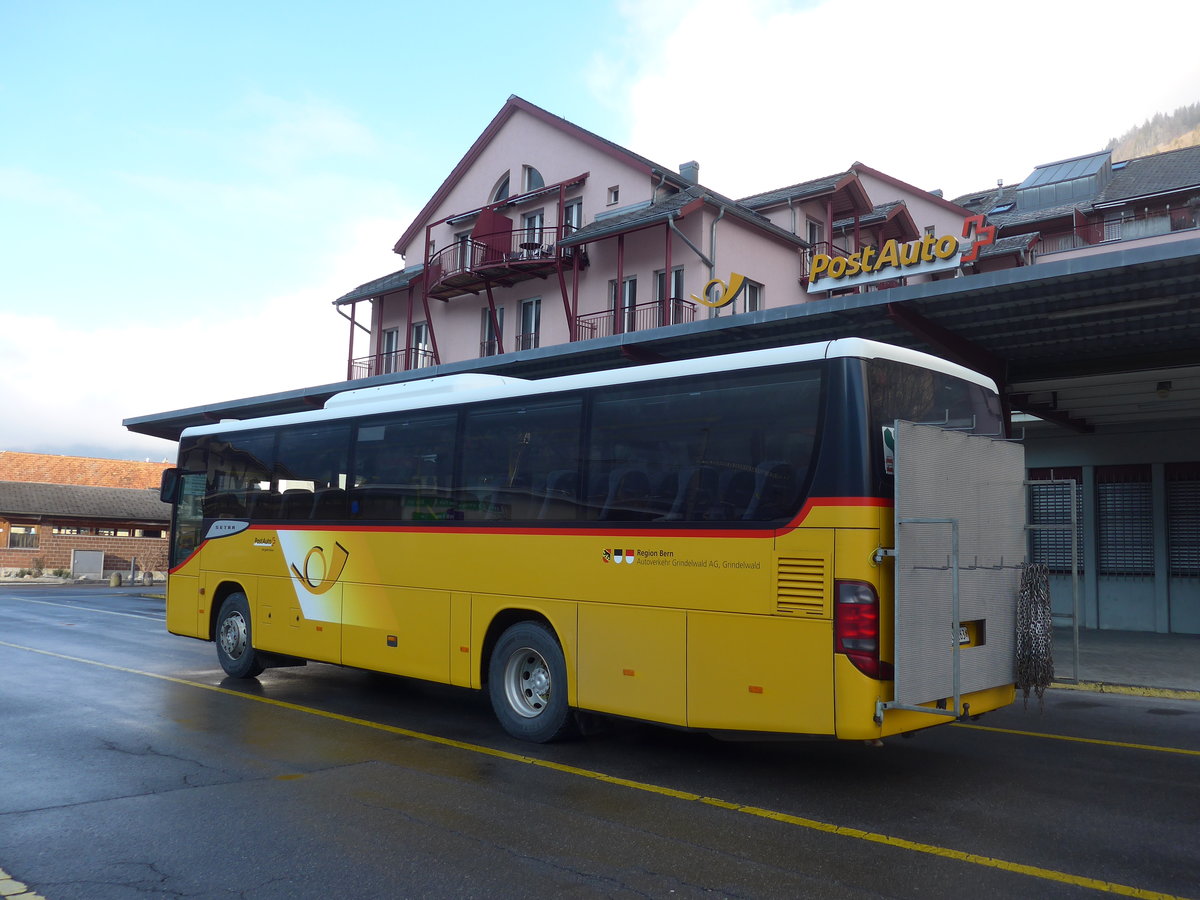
{"x":1035,"y":633}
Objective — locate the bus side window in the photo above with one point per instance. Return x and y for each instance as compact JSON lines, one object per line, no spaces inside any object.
{"x":403,"y":467}
{"x":514,"y":456}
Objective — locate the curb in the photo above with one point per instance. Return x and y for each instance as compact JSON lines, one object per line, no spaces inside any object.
{"x":1131,"y":690}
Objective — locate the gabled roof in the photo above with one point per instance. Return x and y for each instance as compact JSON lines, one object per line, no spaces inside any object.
{"x":387,"y":284}
{"x":1145,"y":176}
{"x":676,"y":206}
{"x":73,"y":501}
{"x":850,"y":196}
{"x":1017,"y":217}
{"x":54,"y":469}
{"x":987,"y":200}
{"x":894,"y":214}
{"x":949,"y":205}
{"x":1017,"y":243}
{"x":513,"y":105}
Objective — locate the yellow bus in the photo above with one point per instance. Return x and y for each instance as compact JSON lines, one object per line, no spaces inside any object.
{"x":706,"y":543}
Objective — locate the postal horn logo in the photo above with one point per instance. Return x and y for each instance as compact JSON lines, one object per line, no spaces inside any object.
{"x":320,"y":574}
{"x":729,"y":292}
{"x":619,"y":556}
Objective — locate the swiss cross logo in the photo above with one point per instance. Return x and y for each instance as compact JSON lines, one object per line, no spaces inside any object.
{"x":984,"y":235}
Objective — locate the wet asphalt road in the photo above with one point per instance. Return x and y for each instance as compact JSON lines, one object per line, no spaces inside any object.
{"x":130,"y":769}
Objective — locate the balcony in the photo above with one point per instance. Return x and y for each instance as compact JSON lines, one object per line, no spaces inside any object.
{"x":1154,"y":224}
{"x":386,"y":363}
{"x":640,"y":317}
{"x":827,"y":248}
{"x":502,"y":258}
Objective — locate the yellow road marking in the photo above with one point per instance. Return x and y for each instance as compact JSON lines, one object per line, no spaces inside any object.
{"x":1130,"y":690}
{"x":1079,"y":740}
{"x":773,"y":815}
{"x":11,"y":889}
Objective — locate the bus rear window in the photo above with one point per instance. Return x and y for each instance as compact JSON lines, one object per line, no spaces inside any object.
{"x":899,"y":391}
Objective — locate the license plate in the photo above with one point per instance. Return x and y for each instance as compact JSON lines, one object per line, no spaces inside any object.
{"x":963,"y":636}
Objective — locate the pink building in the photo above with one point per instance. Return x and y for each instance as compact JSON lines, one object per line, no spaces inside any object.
{"x":545,"y":233}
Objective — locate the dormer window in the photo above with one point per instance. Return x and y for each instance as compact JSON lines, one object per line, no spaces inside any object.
{"x":500,"y":191}
{"x":532,"y":179}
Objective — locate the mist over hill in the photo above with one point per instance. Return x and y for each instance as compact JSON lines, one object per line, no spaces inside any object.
{"x":1158,"y":134}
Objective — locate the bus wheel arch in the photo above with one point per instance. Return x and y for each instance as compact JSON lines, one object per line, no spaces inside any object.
{"x":233,"y":634}
{"x":527,"y":678}
{"x":220,"y":595}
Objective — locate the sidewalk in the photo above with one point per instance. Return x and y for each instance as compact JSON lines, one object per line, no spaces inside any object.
{"x":1131,"y":662}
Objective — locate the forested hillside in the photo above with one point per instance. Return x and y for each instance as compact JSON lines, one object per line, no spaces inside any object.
{"x":1163,"y":132}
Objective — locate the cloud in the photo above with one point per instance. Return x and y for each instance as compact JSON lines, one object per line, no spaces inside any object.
{"x":284,"y":134}
{"x":67,"y":386}
{"x":765,"y":94}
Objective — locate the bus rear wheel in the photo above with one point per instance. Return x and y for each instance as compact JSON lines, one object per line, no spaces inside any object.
{"x":235,"y":651}
{"x":527,"y":683}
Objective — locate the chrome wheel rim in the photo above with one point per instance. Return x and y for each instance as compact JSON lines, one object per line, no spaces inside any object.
{"x":527,"y":683}
{"x":233,"y":635}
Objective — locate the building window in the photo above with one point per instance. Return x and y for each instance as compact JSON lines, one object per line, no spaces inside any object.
{"x":572,"y":216}
{"x":531,"y":240}
{"x":1125,"y":520}
{"x":463,"y":241}
{"x":1050,"y":517}
{"x":623,"y":307}
{"x":1183,"y":519}
{"x":422,"y":347}
{"x":532,"y":179}
{"x":815,"y":233}
{"x":752,"y":294}
{"x":388,"y":348}
{"x":531,"y":324}
{"x":489,"y":333}
{"x":614,"y":195}
{"x":660,"y":282}
{"x":22,"y":537}
{"x":59,"y":529}
{"x":148,"y":532}
{"x":500,"y":191}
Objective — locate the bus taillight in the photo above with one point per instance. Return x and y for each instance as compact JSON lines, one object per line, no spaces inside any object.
{"x":856,"y":627}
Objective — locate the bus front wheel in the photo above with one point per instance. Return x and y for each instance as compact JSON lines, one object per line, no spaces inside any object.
{"x":527,"y":683}
{"x":234,"y":649}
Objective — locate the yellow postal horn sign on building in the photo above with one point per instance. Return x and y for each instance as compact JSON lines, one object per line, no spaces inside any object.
{"x":729,"y":292}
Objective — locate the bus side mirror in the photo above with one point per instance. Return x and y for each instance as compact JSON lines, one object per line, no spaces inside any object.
{"x":168,"y":489}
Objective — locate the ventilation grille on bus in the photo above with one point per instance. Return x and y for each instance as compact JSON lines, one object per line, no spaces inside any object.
{"x":802,"y":588}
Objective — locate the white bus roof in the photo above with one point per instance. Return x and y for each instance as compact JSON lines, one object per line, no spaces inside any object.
{"x":476,"y":387}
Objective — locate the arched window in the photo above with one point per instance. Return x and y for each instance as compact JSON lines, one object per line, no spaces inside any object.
{"x":500,"y":191}
{"x":532,"y":179}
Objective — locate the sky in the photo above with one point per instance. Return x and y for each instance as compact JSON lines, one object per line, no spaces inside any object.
{"x":185,"y":189}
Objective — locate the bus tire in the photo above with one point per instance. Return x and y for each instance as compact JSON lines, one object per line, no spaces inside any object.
{"x":527,"y":683}
{"x":235,"y":650}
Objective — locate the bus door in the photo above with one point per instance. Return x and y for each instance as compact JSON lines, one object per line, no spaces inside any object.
{"x":959,"y":549}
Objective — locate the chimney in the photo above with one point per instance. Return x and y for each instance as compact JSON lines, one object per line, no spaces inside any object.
{"x":690,"y":171}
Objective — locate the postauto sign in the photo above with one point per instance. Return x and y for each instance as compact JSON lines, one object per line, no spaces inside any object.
{"x":932,"y":253}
